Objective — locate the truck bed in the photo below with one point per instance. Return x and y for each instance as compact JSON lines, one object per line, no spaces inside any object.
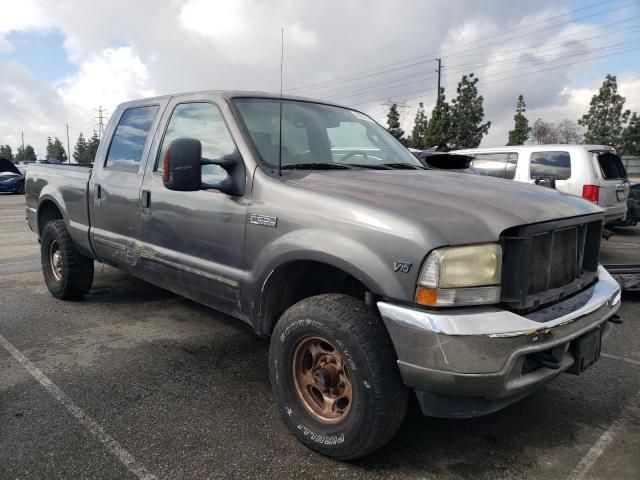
{"x":65,"y":185}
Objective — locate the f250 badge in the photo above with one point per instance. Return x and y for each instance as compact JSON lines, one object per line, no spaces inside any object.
{"x":266,"y":220}
{"x":403,"y":267}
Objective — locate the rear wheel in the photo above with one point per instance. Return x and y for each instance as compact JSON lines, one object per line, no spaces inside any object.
{"x":334,"y":373}
{"x":67,"y":273}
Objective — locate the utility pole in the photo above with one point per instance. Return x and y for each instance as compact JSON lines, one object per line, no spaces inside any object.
{"x":100,"y":122}
{"x":439,"y":72}
{"x":68,"y":148}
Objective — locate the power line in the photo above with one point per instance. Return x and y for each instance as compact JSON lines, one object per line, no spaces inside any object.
{"x":368,"y":102}
{"x":412,"y":81}
{"x":424,"y":77}
{"x":387,"y":82}
{"x":316,"y":85}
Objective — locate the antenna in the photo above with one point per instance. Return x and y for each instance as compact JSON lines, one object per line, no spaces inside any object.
{"x":280,"y":130}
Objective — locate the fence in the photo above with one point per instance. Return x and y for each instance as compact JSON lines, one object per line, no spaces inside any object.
{"x":632,"y":164}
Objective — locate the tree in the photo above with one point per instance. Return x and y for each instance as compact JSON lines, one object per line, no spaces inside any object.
{"x":521,"y":129}
{"x":80,"y":151}
{"x":6,"y":152}
{"x":543,"y":132}
{"x":467,"y":114}
{"x":393,"y":123}
{"x":439,"y":127}
{"x":55,"y":150}
{"x":25,"y":155}
{"x":419,"y":132}
{"x":92,"y":147}
{"x":568,"y":131}
{"x":630,"y":144}
{"x":605,"y":119}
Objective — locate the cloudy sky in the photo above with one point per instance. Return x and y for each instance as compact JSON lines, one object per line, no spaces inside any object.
{"x":59,"y":61}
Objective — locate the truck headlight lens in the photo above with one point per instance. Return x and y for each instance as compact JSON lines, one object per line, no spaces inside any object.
{"x":467,"y":275}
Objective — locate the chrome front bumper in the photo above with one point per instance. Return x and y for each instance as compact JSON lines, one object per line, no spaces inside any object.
{"x":478,"y":353}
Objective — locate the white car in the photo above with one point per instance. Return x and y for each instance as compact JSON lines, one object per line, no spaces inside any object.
{"x":593,"y":172}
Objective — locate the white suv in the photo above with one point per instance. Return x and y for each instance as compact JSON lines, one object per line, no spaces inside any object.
{"x":594,"y":172}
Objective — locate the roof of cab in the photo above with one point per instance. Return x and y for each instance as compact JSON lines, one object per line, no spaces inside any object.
{"x":538,"y":148}
{"x":228,"y":95}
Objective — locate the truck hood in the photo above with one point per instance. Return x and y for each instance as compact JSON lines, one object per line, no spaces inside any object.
{"x":8,"y":166}
{"x":460,"y":207}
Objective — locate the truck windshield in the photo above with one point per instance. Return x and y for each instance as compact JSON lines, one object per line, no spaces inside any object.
{"x":320,"y":137}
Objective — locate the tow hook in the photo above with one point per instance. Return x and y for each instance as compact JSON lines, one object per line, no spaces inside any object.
{"x":550,"y":358}
{"x":617,"y":319}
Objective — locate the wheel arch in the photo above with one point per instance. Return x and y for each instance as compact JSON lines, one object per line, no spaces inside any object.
{"x":48,"y":210}
{"x":297,"y":278}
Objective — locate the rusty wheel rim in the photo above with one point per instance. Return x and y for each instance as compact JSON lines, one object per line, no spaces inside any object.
{"x":55,"y":260}
{"x":321,"y":379}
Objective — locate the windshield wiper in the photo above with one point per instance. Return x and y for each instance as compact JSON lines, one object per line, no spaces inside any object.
{"x":403,"y":166}
{"x":315,"y":166}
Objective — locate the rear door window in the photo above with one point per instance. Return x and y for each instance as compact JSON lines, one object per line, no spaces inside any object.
{"x":500,"y":165}
{"x":127,"y":146}
{"x":611,"y":166}
{"x":550,"y":164}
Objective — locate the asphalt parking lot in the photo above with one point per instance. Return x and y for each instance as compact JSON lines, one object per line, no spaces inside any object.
{"x":137,"y":381}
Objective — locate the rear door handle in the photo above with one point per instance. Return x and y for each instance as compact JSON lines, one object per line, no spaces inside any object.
{"x":98,"y":192}
{"x":145,"y":199}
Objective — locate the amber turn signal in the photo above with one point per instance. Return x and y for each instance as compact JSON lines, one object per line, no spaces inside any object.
{"x":427,"y":296}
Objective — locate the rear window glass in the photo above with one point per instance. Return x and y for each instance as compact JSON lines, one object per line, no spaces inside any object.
{"x":500,"y":165}
{"x":129,"y":139}
{"x":611,"y":166}
{"x":550,"y":164}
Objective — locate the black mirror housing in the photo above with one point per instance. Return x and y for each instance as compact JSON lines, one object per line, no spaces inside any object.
{"x":182,"y":168}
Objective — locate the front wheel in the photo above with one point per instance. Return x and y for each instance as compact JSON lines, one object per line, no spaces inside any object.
{"x":334,"y":374}
{"x":67,"y":273}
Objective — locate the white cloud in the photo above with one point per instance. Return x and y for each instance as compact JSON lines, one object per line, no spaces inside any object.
{"x":244,"y":30}
{"x":23,"y":15}
{"x":108,"y":78}
{"x":125,"y":49}
{"x":5,"y":45}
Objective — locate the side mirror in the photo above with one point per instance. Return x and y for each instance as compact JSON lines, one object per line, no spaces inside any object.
{"x":549,"y":182}
{"x":182,"y":168}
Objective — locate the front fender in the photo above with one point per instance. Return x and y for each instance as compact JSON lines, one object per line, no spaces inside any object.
{"x":355,"y":258}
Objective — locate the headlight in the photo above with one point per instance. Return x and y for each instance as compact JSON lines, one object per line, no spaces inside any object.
{"x":467,"y":275}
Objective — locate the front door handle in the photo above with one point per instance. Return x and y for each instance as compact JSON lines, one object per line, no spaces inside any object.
{"x":145,"y":199}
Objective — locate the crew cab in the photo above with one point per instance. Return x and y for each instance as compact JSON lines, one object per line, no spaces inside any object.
{"x":374,"y":278}
{"x":593,"y":172}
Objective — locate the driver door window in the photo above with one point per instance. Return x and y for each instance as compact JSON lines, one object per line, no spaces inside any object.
{"x":204,"y":122}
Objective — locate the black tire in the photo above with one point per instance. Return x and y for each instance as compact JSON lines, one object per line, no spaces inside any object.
{"x":379,"y":397}
{"x":74,"y":275}
{"x":19,"y":189}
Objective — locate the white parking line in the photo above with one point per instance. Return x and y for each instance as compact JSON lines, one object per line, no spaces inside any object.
{"x":96,"y":430}
{"x":622,"y":359}
{"x":598,"y":448}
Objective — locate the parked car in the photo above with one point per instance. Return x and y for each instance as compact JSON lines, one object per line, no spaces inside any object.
{"x":374,"y":277}
{"x":633,"y":207}
{"x":593,"y":172}
{"x":11,"y":178}
{"x":433,"y":160}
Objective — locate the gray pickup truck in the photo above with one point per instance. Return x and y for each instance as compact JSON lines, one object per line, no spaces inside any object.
{"x":373,"y":277}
